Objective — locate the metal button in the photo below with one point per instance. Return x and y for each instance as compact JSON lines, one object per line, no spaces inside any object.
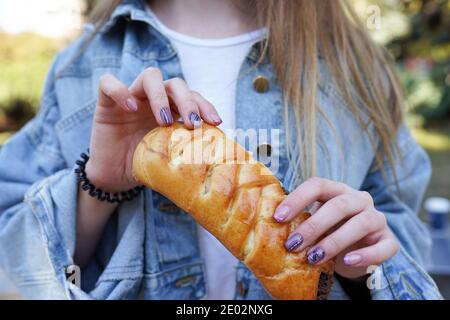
{"x":261,"y":84}
{"x":264,"y":150}
{"x":184,"y":281}
{"x":200,"y":293}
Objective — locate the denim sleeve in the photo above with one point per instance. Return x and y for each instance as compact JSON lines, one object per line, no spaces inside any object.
{"x":402,"y":276}
{"x":38,"y":193}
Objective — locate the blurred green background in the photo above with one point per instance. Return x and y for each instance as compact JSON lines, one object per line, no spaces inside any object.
{"x":415,"y":31}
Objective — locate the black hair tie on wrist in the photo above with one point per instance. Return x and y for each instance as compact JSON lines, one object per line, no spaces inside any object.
{"x":98,"y":193}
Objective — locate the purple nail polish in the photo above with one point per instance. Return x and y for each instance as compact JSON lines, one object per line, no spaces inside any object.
{"x":166,"y":116}
{"x":316,"y":255}
{"x":294,"y":241}
{"x":195,"y":120}
{"x":281,"y":213}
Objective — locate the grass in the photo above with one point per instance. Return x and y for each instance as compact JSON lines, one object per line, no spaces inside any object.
{"x":23,"y":67}
{"x":4,"y":136}
{"x":434,"y":140}
{"x":26,"y":58}
{"x":437,"y":143}
{"x":24,"y":62}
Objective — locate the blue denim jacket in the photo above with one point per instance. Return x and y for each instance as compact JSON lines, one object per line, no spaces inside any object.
{"x":149,"y":248}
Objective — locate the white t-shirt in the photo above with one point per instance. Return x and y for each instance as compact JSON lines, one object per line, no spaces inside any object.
{"x":211,"y":67}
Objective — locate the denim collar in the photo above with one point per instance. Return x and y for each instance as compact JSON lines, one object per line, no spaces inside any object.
{"x":135,"y":10}
{"x":130,"y":10}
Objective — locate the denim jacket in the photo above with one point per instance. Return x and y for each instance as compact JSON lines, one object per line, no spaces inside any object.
{"x":149,"y":248}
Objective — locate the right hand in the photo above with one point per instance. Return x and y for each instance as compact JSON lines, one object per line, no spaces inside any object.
{"x":124,"y":115}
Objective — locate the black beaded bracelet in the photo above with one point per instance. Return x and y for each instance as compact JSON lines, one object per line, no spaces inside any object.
{"x":98,"y":193}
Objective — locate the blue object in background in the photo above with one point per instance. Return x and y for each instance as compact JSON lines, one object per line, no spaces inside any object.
{"x":438,"y":210}
{"x":439,"y":263}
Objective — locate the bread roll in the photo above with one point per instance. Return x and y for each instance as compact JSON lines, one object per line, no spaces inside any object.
{"x":234,"y":197}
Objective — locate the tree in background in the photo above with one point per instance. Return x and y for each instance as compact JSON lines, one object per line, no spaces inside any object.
{"x":423,"y":56}
{"x":415,"y":31}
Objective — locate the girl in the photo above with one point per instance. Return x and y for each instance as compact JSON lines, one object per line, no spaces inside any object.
{"x":306,"y":69}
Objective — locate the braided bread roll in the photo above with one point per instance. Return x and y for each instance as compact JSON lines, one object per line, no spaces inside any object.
{"x":234,"y":197}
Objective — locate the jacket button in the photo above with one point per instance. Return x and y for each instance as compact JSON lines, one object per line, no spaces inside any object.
{"x":261,"y":84}
{"x":199,"y":294}
{"x":264,"y":150}
{"x":184,"y":281}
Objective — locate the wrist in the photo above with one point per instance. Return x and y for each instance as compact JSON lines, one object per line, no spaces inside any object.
{"x":87,"y":175}
{"x":99,"y":180}
{"x":84,"y":197}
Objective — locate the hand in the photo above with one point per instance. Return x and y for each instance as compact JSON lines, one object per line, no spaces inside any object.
{"x":353,"y":230}
{"x":124,"y":115}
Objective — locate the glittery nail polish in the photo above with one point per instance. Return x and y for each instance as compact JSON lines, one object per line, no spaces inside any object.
{"x":166,"y":116}
{"x":195,"y":120}
{"x":294,"y":241}
{"x":316,"y":255}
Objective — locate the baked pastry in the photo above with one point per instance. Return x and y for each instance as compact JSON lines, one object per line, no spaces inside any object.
{"x":234,"y":197}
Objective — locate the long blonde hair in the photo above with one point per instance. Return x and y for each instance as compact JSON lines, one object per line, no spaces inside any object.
{"x":362,"y":71}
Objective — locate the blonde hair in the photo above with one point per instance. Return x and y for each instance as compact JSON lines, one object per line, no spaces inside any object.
{"x":362,"y":71}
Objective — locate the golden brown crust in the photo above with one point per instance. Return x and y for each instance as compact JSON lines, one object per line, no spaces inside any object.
{"x":232,"y":199}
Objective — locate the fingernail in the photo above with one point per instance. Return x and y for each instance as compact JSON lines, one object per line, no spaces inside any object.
{"x":166,"y":116}
{"x":352,"y":259}
{"x":316,"y":255}
{"x":281,"y":213}
{"x":294,"y":241}
{"x":216,"y":119}
{"x":131,"y":104}
{"x":195,"y":120}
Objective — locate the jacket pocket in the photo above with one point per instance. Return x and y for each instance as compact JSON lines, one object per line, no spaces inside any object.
{"x":74,"y":131}
{"x":185,"y":282}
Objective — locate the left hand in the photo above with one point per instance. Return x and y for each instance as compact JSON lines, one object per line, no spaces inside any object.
{"x":355,"y":232}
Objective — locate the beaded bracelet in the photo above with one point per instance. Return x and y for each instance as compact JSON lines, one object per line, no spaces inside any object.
{"x":98,"y":193}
